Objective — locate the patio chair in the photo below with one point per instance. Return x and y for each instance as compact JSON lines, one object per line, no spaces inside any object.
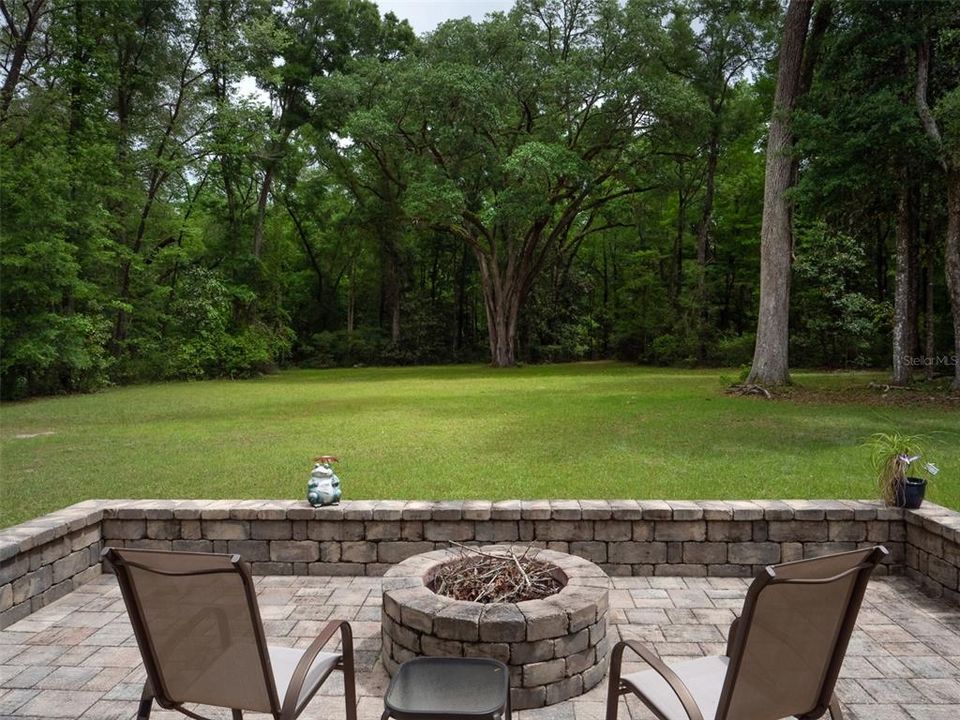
{"x":196,"y":621}
{"x":783,"y":652}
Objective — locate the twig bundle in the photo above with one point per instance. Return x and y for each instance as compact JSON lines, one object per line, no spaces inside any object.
{"x":502,"y":578}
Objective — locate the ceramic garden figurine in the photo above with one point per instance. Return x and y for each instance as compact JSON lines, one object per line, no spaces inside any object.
{"x":323,"y":487}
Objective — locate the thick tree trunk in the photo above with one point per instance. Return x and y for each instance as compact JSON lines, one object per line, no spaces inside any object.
{"x":221,"y":83}
{"x":902,"y":369}
{"x":351,"y":304}
{"x":951,"y":249}
{"x":913,"y":298}
{"x":390,"y":282}
{"x":21,"y":42}
{"x":461,"y":301}
{"x":276,"y":150}
{"x":261,"y":218}
{"x":312,"y":258}
{"x":952,"y":257}
{"x":929,"y":318}
{"x":502,"y":298}
{"x":677,"y":280}
{"x":770,"y":363}
{"x":703,"y":241}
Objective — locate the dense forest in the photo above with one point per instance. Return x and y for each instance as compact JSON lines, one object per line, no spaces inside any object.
{"x":651,"y":180}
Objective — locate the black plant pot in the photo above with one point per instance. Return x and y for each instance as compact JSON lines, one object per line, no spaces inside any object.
{"x":910,"y":493}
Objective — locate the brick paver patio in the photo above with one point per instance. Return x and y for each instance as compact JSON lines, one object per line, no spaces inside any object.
{"x":77,"y":657}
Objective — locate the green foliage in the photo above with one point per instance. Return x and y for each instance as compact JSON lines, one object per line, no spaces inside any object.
{"x":839,"y":322}
{"x":388,"y":199}
{"x":735,"y":350}
{"x":891,"y":456}
{"x":342,"y":349}
{"x":52,"y":337}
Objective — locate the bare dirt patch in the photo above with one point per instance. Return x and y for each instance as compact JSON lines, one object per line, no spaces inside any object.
{"x":935,"y":394}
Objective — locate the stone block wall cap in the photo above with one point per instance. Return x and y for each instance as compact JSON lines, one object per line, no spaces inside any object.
{"x":807,"y":509}
{"x":466,"y":609}
{"x":329,"y":512}
{"x":537,"y":607}
{"x":686,"y":510}
{"x":427,"y":601}
{"x":746,"y":510}
{"x":388,"y":510}
{"x":862,"y":510}
{"x":8,"y":548}
{"x":929,"y":509}
{"x":656,"y":510}
{"x":775,"y":509}
{"x":836,"y":510}
{"x":399,"y":583}
{"x":417,"y":510}
{"x":447,"y":510}
{"x":891,"y":513}
{"x":597,"y":582}
{"x":583,"y":571}
{"x":565,"y":510}
{"x":501,"y":612}
{"x":477,"y":510}
{"x":356,"y":509}
{"x":535,"y":509}
{"x":626,"y":510}
{"x":581,"y":594}
{"x":595,"y":509}
{"x":246,"y":510}
{"x":215,"y":511}
{"x":949,"y":528}
{"x":716,"y":509}
{"x":408,"y":595}
{"x":505,"y":510}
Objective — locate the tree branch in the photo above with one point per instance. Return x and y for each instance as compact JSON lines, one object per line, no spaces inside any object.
{"x":923,"y":109}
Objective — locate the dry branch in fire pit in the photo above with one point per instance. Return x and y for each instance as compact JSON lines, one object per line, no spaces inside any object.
{"x":502,"y":578}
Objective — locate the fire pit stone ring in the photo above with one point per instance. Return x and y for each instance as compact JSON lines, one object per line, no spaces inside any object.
{"x":556,"y":648}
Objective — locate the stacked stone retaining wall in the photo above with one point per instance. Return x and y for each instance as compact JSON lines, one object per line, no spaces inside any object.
{"x":47,"y":557}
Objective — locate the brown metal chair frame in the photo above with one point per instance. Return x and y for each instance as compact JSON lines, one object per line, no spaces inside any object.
{"x":736,"y":643}
{"x":154,"y":689}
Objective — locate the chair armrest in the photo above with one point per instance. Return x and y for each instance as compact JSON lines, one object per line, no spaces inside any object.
{"x":672,"y":679}
{"x":303,"y":667}
{"x":732,"y":635}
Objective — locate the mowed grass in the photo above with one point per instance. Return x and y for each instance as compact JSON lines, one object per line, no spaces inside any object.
{"x":590,"y":430}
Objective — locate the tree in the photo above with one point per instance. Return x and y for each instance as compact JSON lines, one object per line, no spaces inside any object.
{"x":519,"y":130}
{"x":947,"y":146}
{"x":714,"y":46}
{"x":770,"y":365}
{"x":17,"y":41}
{"x":296,"y":49}
{"x":869,"y":171}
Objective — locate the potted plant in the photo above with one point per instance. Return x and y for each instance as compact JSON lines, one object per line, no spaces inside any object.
{"x":900,"y":474}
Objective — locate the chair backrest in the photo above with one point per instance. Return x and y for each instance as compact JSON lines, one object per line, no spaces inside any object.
{"x":196,"y":621}
{"x":793,"y":633}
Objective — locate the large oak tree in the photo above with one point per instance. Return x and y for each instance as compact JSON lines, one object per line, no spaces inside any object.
{"x":517,"y":131}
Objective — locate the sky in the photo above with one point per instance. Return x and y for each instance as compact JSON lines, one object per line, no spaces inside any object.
{"x":425,"y":15}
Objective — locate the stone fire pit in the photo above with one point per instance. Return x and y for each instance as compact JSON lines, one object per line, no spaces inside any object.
{"x":556,"y":647}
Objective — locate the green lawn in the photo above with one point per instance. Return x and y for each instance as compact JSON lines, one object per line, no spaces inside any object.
{"x":586,"y":431}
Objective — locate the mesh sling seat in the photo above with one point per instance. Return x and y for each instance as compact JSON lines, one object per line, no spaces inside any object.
{"x":198,"y":627}
{"x":783,"y":653}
